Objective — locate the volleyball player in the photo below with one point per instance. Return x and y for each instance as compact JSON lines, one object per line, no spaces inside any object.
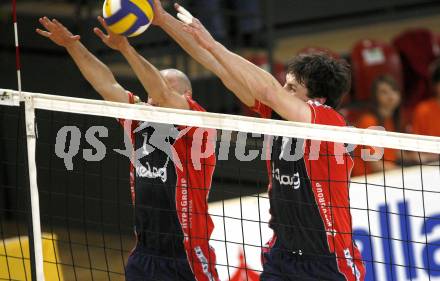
{"x":309,"y":198}
{"x":172,"y":224}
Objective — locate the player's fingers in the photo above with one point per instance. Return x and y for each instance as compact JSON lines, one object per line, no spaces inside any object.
{"x":40,"y":20}
{"x":157,"y":4}
{"x":196,"y":23}
{"x":100,"y":34}
{"x":49,"y":22}
{"x":185,"y":19}
{"x":183,"y":14}
{"x":103,"y":23}
{"x":182,"y":10}
{"x":46,"y":23}
{"x":59,"y":24}
{"x":43,"y":33}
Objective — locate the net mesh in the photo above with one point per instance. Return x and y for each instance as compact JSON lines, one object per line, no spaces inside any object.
{"x":87,"y":212}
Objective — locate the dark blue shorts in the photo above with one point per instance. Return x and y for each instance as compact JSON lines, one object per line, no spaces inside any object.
{"x":145,"y":266}
{"x":281,"y":265}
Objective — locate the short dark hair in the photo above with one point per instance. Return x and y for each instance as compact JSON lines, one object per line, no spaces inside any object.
{"x":322,"y":75}
{"x":435,"y":78}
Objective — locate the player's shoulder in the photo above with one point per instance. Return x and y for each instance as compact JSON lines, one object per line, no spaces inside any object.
{"x":325,"y":115}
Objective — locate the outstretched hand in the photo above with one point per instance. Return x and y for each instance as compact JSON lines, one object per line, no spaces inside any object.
{"x":159,"y":13}
{"x":112,"y":40}
{"x":57,"y":32}
{"x":194,"y":27}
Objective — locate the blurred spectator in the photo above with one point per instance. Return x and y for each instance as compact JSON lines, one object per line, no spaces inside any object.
{"x":210,"y":14}
{"x":426,"y":116}
{"x":384,"y":111}
{"x":246,"y":17}
{"x":249,"y":19}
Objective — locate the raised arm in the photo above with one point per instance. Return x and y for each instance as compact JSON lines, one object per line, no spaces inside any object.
{"x":93,"y":70}
{"x":174,"y":27}
{"x":150,"y":77}
{"x":256,"y":81}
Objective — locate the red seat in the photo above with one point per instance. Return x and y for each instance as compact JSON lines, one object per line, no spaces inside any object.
{"x":418,"y":48}
{"x":371,"y":59}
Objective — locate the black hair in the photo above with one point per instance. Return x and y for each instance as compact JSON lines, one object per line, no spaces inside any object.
{"x":323,"y":76}
{"x":389,"y":80}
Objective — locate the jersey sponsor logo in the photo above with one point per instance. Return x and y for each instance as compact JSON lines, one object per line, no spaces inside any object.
{"x":185,"y":207}
{"x":204,"y":262}
{"x":323,"y":205}
{"x":146,"y":148}
{"x":287,"y":180}
{"x":162,"y":142}
{"x":351,"y":264}
{"x":152,"y":172}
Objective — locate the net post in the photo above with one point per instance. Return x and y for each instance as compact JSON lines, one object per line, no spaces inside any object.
{"x":35,"y":237}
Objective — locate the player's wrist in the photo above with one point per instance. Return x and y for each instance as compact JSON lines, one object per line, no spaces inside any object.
{"x":71,"y":45}
{"x":124,"y":46}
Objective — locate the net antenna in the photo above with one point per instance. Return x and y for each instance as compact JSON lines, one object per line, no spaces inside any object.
{"x":17,"y":48}
{"x":35,"y":238}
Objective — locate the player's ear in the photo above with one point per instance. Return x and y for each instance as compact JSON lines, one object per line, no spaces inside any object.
{"x":188,"y":93}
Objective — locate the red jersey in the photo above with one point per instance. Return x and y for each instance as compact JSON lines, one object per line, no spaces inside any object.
{"x":309,"y":195}
{"x":170,"y":185}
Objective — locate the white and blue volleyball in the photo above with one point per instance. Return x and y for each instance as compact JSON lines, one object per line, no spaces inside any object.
{"x":128,"y":17}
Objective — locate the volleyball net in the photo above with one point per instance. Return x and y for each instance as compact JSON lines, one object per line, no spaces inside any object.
{"x":66,"y":208}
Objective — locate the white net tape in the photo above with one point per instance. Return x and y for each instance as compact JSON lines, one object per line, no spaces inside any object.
{"x":261,"y":126}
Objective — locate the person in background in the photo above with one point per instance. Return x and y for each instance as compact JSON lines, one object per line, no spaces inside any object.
{"x":245,"y":21}
{"x":211,"y":12}
{"x":425,"y":120}
{"x":384,"y":111}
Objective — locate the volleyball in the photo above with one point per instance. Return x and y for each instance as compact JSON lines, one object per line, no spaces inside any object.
{"x":128,"y":17}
